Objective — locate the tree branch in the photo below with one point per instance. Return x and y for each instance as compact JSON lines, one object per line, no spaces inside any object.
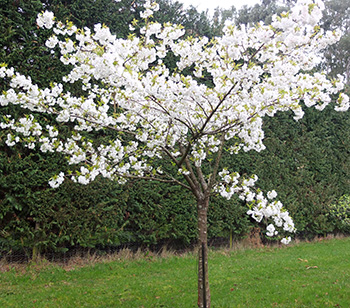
{"x":217,"y":163}
{"x":149,"y":178}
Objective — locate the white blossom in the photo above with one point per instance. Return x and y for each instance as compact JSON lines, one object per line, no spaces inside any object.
{"x":271,"y":231}
{"x":57,"y":180}
{"x":286,"y":240}
{"x":272,"y":194}
{"x":45,"y":20}
{"x":52,"y":41}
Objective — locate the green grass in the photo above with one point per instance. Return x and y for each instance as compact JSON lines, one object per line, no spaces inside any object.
{"x":302,"y":275}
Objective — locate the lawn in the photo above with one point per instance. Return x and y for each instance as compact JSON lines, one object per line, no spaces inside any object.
{"x":313,"y":274}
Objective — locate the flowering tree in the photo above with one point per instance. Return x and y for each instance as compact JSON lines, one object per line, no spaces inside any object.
{"x":163,"y":120}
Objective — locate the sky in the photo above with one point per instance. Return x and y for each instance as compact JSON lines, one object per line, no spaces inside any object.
{"x":202,"y":5}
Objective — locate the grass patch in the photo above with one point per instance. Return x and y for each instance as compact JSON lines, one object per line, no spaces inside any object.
{"x":302,"y":275}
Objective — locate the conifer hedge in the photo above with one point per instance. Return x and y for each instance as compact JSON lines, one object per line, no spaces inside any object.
{"x":306,"y":162}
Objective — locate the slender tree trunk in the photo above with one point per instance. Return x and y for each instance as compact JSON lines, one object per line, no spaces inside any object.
{"x":203,"y":277}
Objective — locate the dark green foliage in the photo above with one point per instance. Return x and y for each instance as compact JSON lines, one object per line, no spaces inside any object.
{"x":100,"y":214}
{"x":162,"y":212}
{"x":228,"y":216}
{"x":22,"y":44}
{"x":116,"y":15}
{"x":159,"y":212}
{"x":339,"y":215}
{"x":34,"y":215}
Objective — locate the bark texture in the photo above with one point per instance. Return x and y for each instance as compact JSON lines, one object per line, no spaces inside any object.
{"x":203,"y":275}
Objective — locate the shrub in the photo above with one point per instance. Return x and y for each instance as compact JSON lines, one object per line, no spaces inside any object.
{"x":339,"y":214}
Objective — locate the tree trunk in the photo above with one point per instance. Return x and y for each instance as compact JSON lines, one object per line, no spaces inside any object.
{"x":203,"y":277}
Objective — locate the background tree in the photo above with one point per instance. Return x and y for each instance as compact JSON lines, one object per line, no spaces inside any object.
{"x":337,"y":57}
{"x":260,"y":12}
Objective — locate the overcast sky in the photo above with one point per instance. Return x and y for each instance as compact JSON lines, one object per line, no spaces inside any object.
{"x":202,"y":5}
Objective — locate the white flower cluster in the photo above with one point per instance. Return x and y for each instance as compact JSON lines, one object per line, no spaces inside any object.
{"x":45,"y":20}
{"x":57,"y":180}
{"x":156,"y":98}
{"x":261,"y":207}
{"x":150,"y":8}
{"x":11,"y":140}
